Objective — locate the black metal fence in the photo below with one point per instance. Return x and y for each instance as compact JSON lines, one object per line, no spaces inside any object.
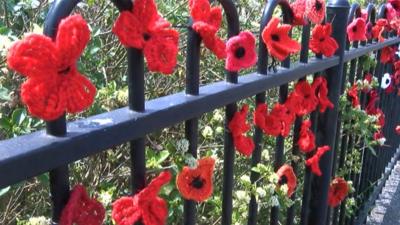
{"x":63,"y":143}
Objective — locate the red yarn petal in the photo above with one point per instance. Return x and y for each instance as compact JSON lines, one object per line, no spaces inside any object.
{"x":291,"y":179}
{"x":199,"y":9}
{"x":124,"y":211}
{"x":244,"y":145}
{"x":146,"y":12}
{"x":356,"y":30}
{"x":129,"y":30}
{"x":72,"y":36}
{"x":307,"y":138}
{"x":34,"y":56}
{"x":321,"y":41}
{"x":241,"y":51}
{"x":338,"y":191}
{"x":313,"y":162}
{"x":315,"y":10}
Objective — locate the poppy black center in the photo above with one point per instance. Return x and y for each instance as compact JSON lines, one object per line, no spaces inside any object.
{"x":64,"y":71}
{"x":354,"y":29}
{"x":322,"y":39}
{"x":283,"y":180}
{"x":146,"y":36}
{"x":275,"y":37}
{"x":318,"y":5}
{"x":240,"y":52}
{"x":387,"y":81}
{"x":197,"y":182}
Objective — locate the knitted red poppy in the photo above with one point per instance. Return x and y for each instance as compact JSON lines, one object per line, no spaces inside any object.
{"x":315,"y":10}
{"x":321,"y":41}
{"x":241,"y":52}
{"x":368,"y":32}
{"x":352,"y":94}
{"x":396,"y":5}
{"x":54,"y":85}
{"x":303,"y":98}
{"x":276,"y":38}
{"x":388,"y":54}
{"x":206,"y":22}
{"x":278,"y":122}
{"x":238,"y":126}
{"x":144,"y":206}
{"x":390,"y":12}
{"x":371,"y":108}
{"x":287,"y":176}
{"x":314,"y":160}
{"x":320,"y":86}
{"x":397,"y":129}
{"x":381,"y":117}
{"x":378,"y":135}
{"x":378,"y":29}
{"x":82,"y":210}
{"x":298,"y":8}
{"x":395,"y":25}
{"x":356,"y":30}
{"x":197,"y":184}
{"x":307,"y":138}
{"x":337,"y":191}
{"x":143,"y":28}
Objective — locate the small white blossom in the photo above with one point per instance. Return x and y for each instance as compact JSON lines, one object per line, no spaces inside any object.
{"x":207,"y":132}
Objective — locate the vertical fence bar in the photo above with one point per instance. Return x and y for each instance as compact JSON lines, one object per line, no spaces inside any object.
{"x":191,"y":126}
{"x":327,"y":122}
{"x":229,"y":150}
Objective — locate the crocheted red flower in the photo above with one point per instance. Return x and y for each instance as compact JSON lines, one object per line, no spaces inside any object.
{"x":321,"y":41}
{"x":390,"y":12}
{"x":241,"y":52}
{"x":381,"y":117}
{"x":303,"y":98}
{"x":197,"y":184}
{"x":314,"y":160}
{"x":307,"y":138}
{"x":356,"y":30}
{"x":298,"y":8}
{"x":143,"y":28}
{"x":277,"y":40}
{"x":352,"y":94}
{"x":315,"y":10}
{"x":337,"y":191}
{"x":320,"y":87}
{"x":378,"y":29}
{"x":368,"y":32}
{"x":287,"y":176}
{"x":144,"y":206}
{"x":371,"y":108}
{"x":396,"y":5}
{"x":207,"y":21}
{"x":238,"y":126}
{"x":397,"y":129}
{"x":54,"y":85}
{"x":284,"y":116}
{"x":378,"y":135}
{"x":82,"y":210}
{"x":388,"y":54}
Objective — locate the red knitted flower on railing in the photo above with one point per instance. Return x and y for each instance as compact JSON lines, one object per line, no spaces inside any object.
{"x":276,"y":123}
{"x":388,"y":54}
{"x":321,"y":41}
{"x":356,"y":30}
{"x":390,"y":12}
{"x":206,"y":22}
{"x":287,"y":176}
{"x":352,"y":94}
{"x":238,"y":126}
{"x":337,"y":191}
{"x":315,"y":10}
{"x":54,"y":85}
{"x":307,"y":138}
{"x":241,"y":52}
{"x":320,"y":86}
{"x":371,"y":108}
{"x":143,"y":28}
{"x":313,"y":162}
{"x":276,"y":38}
{"x":378,"y":29}
{"x":396,"y":5}
{"x":303,"y":99}
{"x":144,"y":206}
{"x":298,"y":8}
{"x":197,"y":183}
{"x":397,"y":129}
{"x":368,"y":31}
{"x":82,"y":210}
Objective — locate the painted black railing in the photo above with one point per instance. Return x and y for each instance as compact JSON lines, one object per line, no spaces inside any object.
{"x":63,"y":143}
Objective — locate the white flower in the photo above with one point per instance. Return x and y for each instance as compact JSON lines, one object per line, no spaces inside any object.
{"x":261,"y":192}
{"x":105,"y":197}
{"x":207,"y":132}
{"x":38,"y":221}
{"x":245,"y":179}
{"x":218,"y":116}
{"x":386,"y":80}
{"x":382,"y":141}
{"x":274,"y":201}
{"x":284,"y":188}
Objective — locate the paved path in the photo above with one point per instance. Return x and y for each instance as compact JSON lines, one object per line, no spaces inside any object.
{"x":387,"y":207}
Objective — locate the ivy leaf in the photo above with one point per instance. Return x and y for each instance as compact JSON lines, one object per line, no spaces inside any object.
{"x":372,"y":150}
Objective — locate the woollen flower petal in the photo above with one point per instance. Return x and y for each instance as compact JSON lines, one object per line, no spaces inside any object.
{"x":306,"y":140}
{"x":259,"y":115}
{"x":157,"y":212}
{"x":315,"y":10}
{"x":285,"y":116}
{"x":321,"y":41}
{"x":215,"y":18}
{"x":124,"y":211}
{"x":308,"y":101}
{"x":34,"y":56}
{"x":277,"y":40}
{"x":146,"y":12}
{"x":73,"y":34}
{"x":241,"y":52}
{"x":199,"y":9}
{"x":320,"y":86}
{"x":196,"y":183}
{"x":161,"y":51}
{"x":356,"y":30}
{"x":238,"y":124}
{"x":287,"y":176}
{"x":337,"y":192}
{"x":397,"y":129}
{"x":244,"y":145}
{"x":352,"y":93}
{"x":298,"y":7}
{"x":129,"y":30}
{"x":273,"y":126}
{"x":82,"y":210}
{"x":313,"y":162}
{"x":387,"y":54}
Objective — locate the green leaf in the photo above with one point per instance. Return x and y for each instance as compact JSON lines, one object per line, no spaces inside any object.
{"x":162,"y":156}
{"x":4,"y":190}
{"x":372,"y":150}
{"x":4,"y":94}
{"x":5,"y":124}
{"x":18,"y":116}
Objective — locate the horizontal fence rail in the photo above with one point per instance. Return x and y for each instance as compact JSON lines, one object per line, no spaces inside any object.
{"x":62,"y":143}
